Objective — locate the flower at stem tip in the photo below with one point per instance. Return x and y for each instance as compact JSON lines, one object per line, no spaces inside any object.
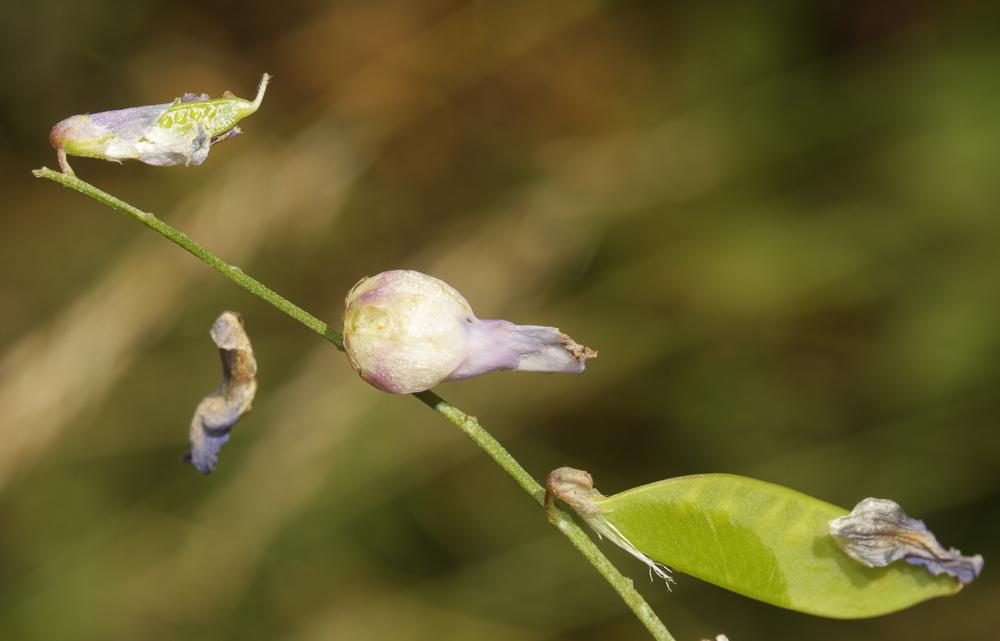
{"x":172,"y":133}
{"x":405,"y":332}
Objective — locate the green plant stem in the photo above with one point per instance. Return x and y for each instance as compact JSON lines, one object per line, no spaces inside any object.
{"x":180,"y":239}
{"x":563,"y":521}
{"x":468,"y":424}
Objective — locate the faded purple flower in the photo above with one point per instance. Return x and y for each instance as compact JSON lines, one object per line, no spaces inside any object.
{"x":405,"y":332}
{"x":218,"y":412}
{"x":878,"y":532}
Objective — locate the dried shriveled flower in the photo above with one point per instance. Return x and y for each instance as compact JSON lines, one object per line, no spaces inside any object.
{"x":878,"y":532}
{"x":405,"y":332}
{"x":174,"y":133}
{"x":218,"y":412}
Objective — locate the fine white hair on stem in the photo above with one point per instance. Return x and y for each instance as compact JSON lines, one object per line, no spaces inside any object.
{"x":575,"y":488}
{"x":609,"y":530}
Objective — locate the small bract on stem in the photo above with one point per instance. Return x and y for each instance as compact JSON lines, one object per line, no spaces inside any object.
{"x":576,"y":489}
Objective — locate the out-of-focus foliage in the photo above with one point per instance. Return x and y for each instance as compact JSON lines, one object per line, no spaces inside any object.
{"x":777,"y":224}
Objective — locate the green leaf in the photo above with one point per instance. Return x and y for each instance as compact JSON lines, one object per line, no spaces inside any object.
{"x":766,"y":542}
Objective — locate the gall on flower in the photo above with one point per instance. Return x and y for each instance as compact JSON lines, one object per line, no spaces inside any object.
{"x":405,"y":332}
{"x":174,"y":133}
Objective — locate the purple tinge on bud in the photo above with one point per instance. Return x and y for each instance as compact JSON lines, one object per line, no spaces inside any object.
{"x":501,"y":345}
{"x":405,"y":332}
{"x":111,"y":135}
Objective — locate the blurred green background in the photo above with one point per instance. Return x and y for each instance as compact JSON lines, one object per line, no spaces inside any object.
{"x":778,"y":225}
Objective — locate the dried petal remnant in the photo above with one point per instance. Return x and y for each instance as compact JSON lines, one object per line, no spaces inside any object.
{"x":218,"y":412}
{"x":172,"y":133}
{"x":878,"y":532}
{"x":576,"y":489}
{"x":573,"y":487}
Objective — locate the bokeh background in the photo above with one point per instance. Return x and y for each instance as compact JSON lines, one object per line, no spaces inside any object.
{"x":778,"y":225}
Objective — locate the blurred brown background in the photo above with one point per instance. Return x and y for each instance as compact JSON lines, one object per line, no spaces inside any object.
{"x":778,"y":225}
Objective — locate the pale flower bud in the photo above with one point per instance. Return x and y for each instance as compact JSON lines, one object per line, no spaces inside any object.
{"x":406,"y":332}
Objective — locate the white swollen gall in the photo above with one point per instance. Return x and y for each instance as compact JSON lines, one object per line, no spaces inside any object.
{"x":405,"y":332}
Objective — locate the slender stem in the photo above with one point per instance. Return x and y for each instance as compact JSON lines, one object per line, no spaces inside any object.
{"x":468,"y":424}
{"x":178,"y":237}
{"x":563,"y":521}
